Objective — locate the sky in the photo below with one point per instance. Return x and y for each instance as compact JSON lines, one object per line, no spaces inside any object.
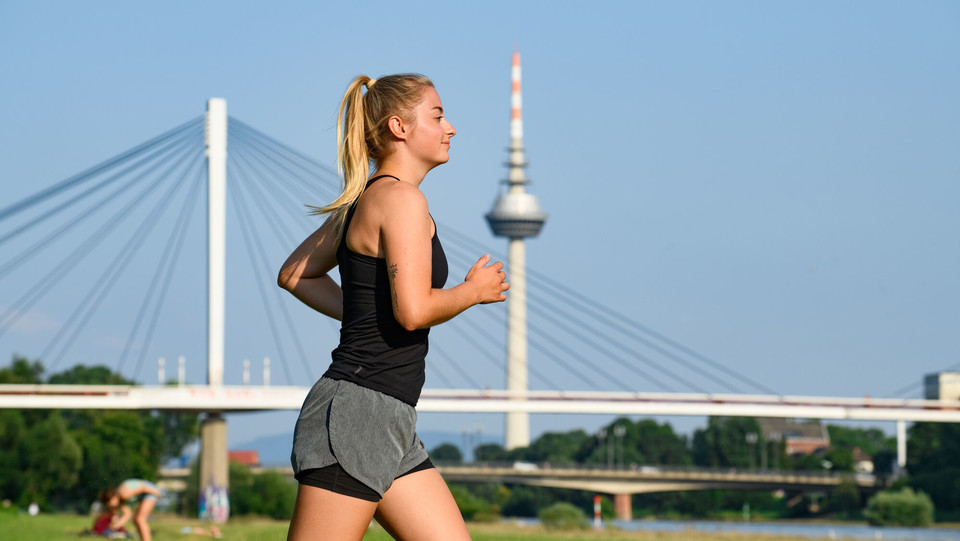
{"x":772,"y":184}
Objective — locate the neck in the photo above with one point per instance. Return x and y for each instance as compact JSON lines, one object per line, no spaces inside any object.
{"x":407,"y":170}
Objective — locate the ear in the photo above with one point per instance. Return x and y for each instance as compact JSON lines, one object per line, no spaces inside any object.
{"x":397,"y":127}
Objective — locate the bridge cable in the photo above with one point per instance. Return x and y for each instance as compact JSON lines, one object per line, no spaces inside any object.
{"x":456,"y":366}
{"x":44,"y":285}
{"x":283,"y":234}
{"x":433,"y":368}
{"x":535,"y":308}
{"x":257,"y":151}
{"x":91,"y":302}
{"x":263,"y":295}
{"x":251,"y":238}
{"x":594,"y":331}
{"x":90,"y":191}
{"x":71,"y":225}
{"x":269,"y":152}
{"x":294,"y":155}
{"x":614,"y":319}
{"x":300,"y":155}
{"x":534,"y":342}
{"x":168,"y":262}
{"x":913,"y":386}
{"x":330,"y":322}
{"x":454,"y":324}
{"x":669,"y":354}
{"x":273,"y":217}
{"x":297,"y":193}
{"x":278,"y":294}
{"x":81,"y":177}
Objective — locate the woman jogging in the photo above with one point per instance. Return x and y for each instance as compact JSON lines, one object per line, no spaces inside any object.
{"x":356,"y":454}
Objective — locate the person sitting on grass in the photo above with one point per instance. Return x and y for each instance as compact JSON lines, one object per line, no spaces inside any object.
{"x":101,"y":526}
{"x":146,"y":494}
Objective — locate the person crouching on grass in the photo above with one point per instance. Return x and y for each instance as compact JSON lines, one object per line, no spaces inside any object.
{"x":144,"y":492}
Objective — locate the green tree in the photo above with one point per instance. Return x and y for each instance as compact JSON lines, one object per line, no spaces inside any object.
{"x":900,"y":508}
{"x":50,"y":459}
{"x":116,"y":446}
{"x":643,"y":442}
{"x":526,"y":501}
{"x":471,"y":505}
{"x":89,"y":375}
{"x":491,"y":452}
{"x":563,"y":516}
{"x":870,"y":440}
{"x":724,"y":442}
{"x":556,"y":447}
{"x":932,"y":451}
{"x":268,"y":493}
{"x":846,"y":499}
{"x":446,"y":452}
{"x":22,"y":370}
{"x":111,"y":445}
{"x":13,"y":431}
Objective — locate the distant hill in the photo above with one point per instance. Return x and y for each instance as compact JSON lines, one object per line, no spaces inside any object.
{"x":275,"y":450}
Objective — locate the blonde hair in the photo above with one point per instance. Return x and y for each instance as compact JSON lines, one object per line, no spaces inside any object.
{"x":363,"y":135}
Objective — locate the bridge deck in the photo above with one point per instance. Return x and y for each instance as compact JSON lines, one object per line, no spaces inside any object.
{"x":202,"y":398}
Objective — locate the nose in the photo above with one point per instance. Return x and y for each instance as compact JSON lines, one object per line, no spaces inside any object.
{"x":451,"y":131}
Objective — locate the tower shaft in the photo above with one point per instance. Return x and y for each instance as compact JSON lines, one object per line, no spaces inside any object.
{"x":517,"y":423}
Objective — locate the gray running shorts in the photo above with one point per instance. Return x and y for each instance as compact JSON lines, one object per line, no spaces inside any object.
{"x":370,"y":434}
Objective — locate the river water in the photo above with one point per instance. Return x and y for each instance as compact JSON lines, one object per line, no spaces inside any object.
{"x":813,"y":531}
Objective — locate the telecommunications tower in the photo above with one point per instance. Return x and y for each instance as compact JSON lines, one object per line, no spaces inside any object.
{"x":516,"y":215}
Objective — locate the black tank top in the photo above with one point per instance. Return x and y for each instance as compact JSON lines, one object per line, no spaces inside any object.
{"x":375,"y":351}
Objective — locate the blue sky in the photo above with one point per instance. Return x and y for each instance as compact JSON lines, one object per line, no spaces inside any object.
{"x":771,"y":184}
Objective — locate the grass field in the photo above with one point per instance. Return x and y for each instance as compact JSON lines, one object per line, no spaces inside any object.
{"x":58,"y":527}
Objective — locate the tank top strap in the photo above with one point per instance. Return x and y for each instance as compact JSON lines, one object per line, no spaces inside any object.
{"x":353,"y":206}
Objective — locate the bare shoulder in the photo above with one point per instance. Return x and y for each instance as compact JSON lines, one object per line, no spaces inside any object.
{"x":397,"y":194}
{"x":397,"y":201}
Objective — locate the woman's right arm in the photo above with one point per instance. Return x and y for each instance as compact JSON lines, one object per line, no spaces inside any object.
{"x":125,"y":515}
{"x":304,"y":273}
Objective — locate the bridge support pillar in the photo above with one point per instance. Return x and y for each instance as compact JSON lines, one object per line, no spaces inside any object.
{"x":214,"y":469}
{"x":623,"y":506}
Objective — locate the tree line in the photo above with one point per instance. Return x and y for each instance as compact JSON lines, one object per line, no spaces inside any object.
{"x":61,"y":459}
{"x":932,"y":468}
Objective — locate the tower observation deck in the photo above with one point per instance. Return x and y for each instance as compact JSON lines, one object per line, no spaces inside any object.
{"x":516,"y":215}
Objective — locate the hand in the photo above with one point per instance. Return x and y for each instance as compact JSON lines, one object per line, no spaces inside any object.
{"x":490,"y":280}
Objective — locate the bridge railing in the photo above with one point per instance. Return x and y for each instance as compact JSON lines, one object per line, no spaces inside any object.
{"x":652,"y":469}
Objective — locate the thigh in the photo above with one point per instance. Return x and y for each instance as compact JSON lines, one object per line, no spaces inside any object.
{"x":321,"y":514}
{"x":420,"y":507}
{"x":144,"y":508}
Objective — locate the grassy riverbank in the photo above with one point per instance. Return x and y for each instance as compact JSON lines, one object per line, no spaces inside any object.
{"x":57,"y":527}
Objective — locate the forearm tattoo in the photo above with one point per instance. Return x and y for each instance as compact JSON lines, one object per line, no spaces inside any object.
{"x":393,"y":270}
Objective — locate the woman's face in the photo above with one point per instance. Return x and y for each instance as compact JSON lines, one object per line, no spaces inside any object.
{"x":431,"y":132}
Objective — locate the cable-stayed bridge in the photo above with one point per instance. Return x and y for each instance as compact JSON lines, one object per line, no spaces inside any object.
{"x":81,"y":244}
{"x":117,"y":237}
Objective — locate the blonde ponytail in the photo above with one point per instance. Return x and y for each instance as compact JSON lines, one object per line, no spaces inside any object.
{"x":363,"y":134}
